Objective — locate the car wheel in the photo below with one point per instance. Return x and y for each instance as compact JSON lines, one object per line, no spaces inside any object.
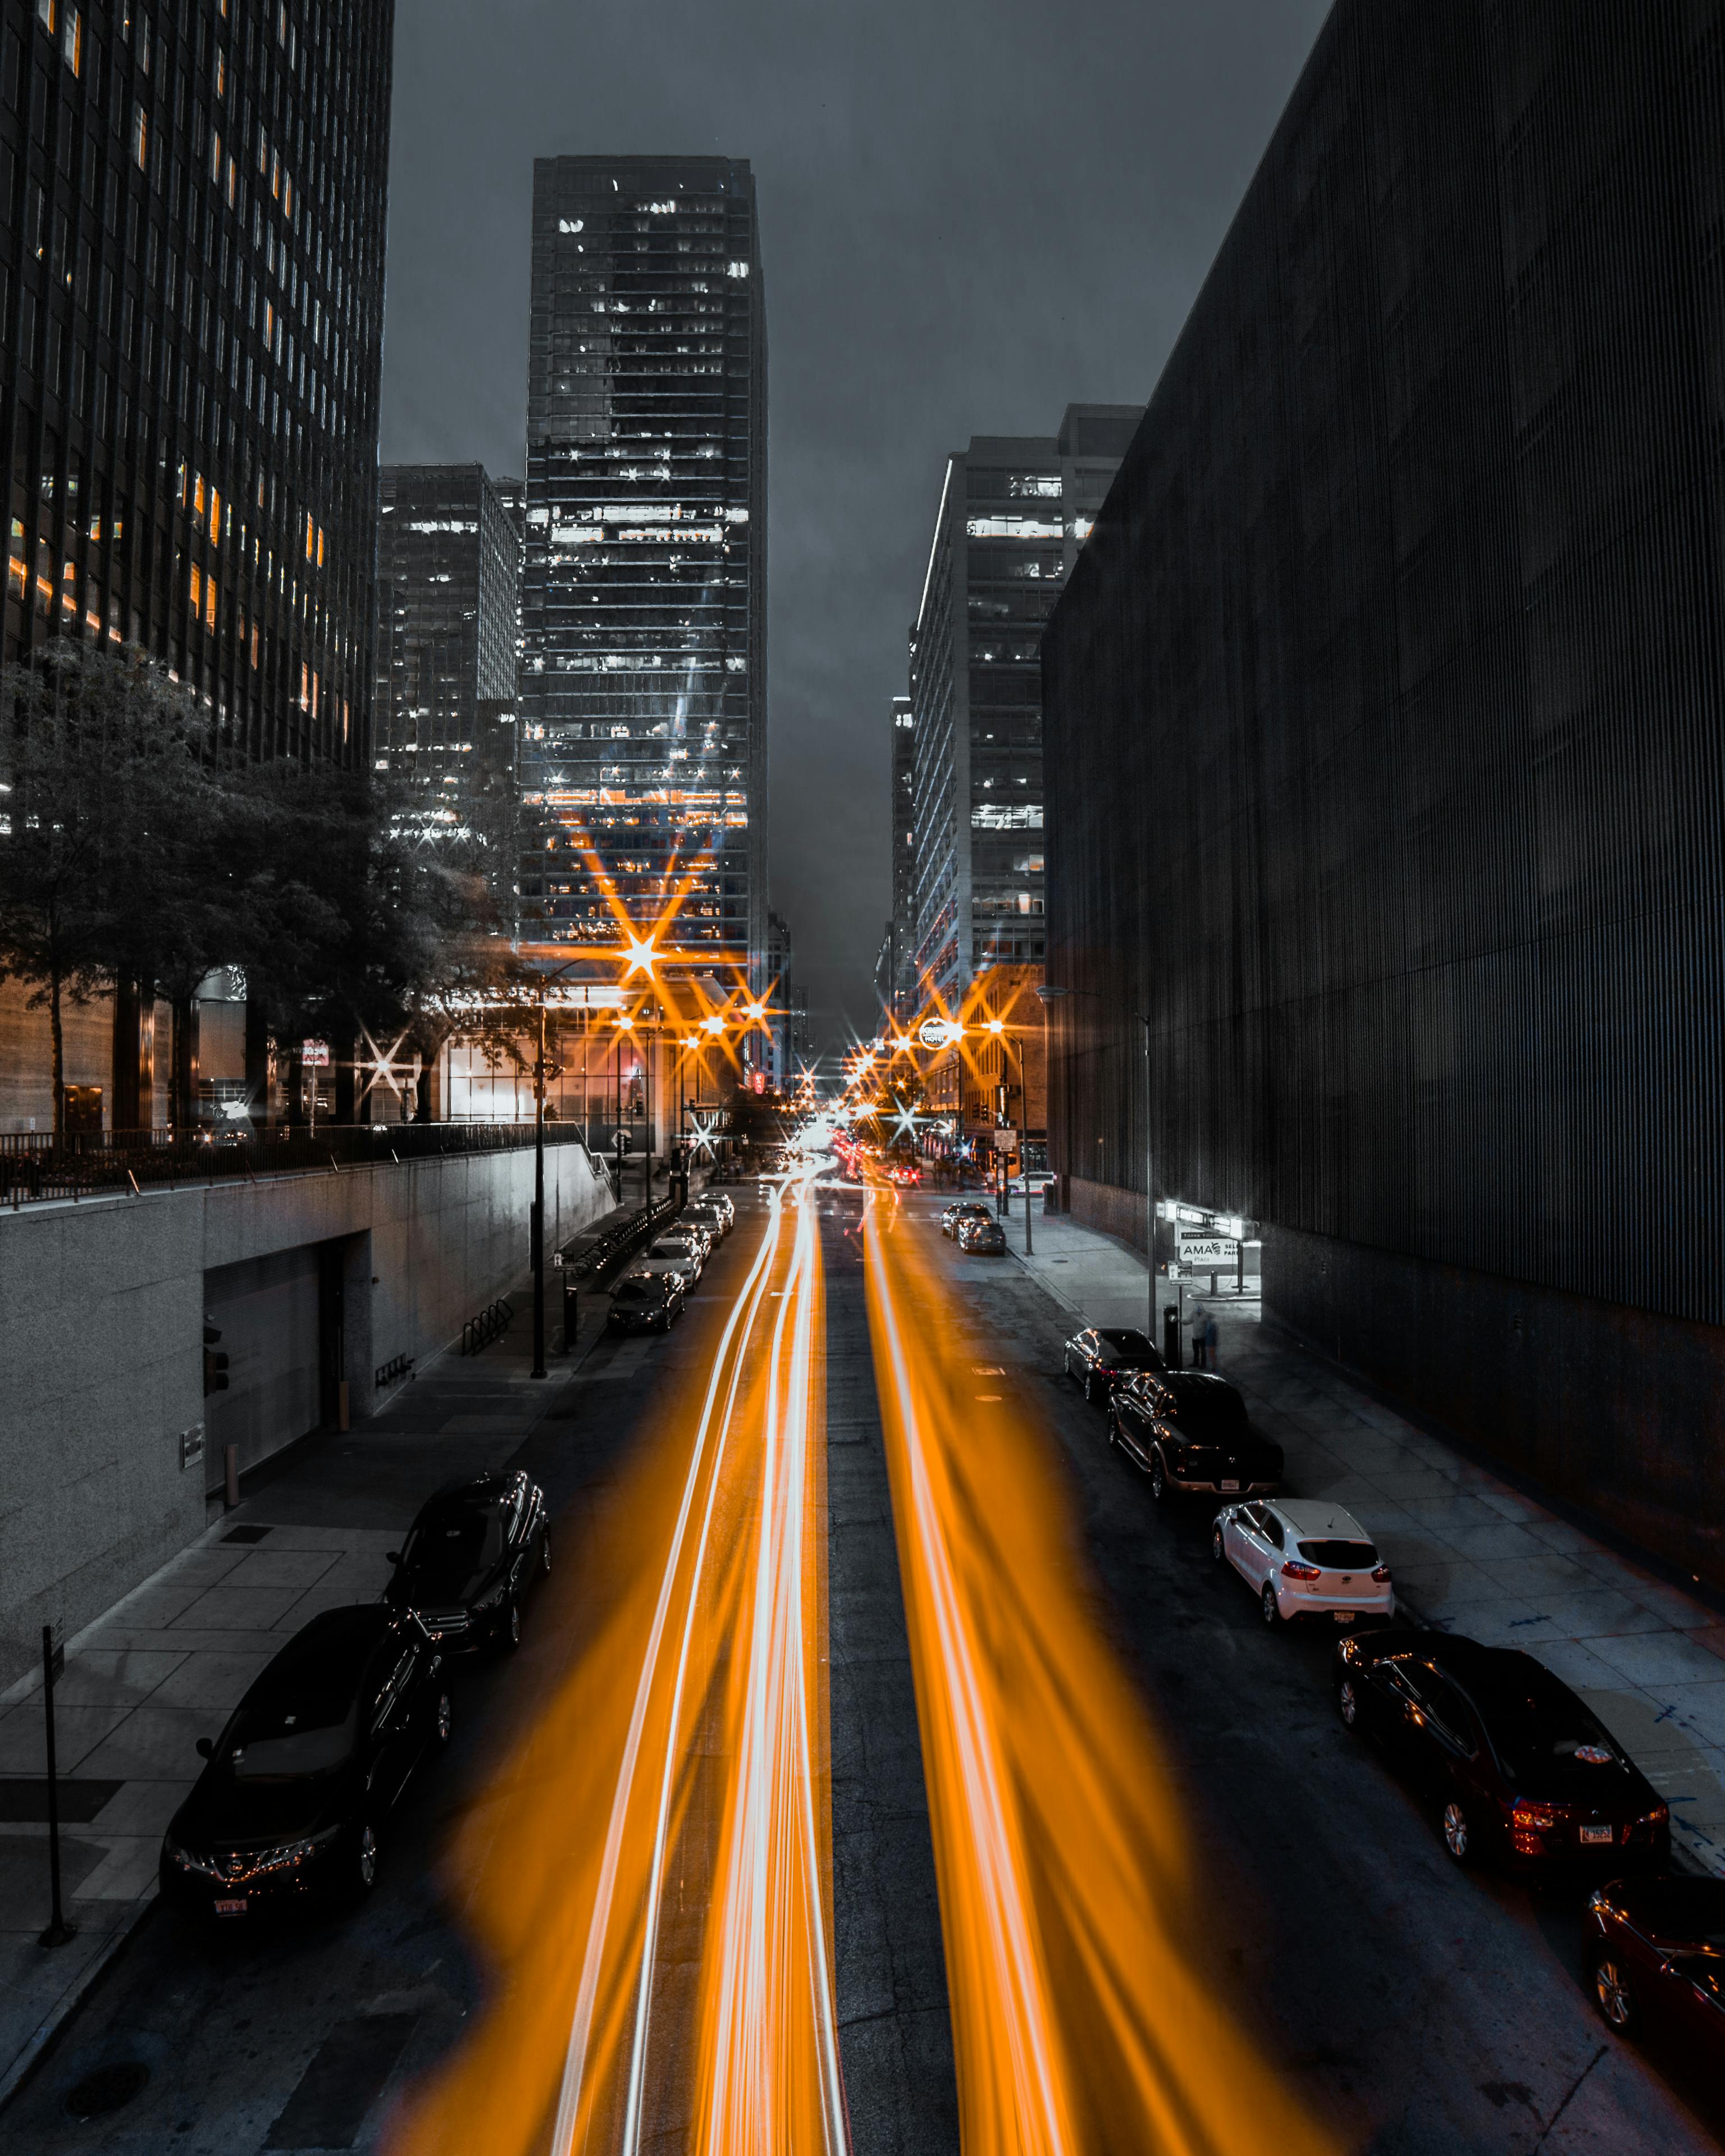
{"x":1158,"y":1476}
{"x":1348,"y":1703}
{"x":444,"y":1722}
{"x":1218,"y":1548}
{"x":545,"y":1549}
{"x":1457,"y":1832}
{"x":1267,"y":1603}
{"x":364,"y":1864}
{"x":1614,"y":1994}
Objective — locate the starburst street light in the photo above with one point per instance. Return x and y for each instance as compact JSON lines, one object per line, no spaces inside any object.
{"x":714,"y":1022}
{"x":642,"y":957}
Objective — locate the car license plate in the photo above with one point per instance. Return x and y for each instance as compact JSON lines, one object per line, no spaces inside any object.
{"x":1233,"y":1484}
{"x":236,"y":1908}
{"x":1598,"y":1834}
{"x":1343,"y":1616}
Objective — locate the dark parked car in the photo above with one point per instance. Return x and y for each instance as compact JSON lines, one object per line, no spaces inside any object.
{"x":1103,"y":1356}
{"x":965,"y":1208}
{"x":470,"y":1560}
{"x":985,"y":1237}
{"x":1190,"y":1431}
{"x":292,"y":1802}
{"x":646,"y":1302}
{"x":1656,"y":1958}
{"x":1515,"y":1765}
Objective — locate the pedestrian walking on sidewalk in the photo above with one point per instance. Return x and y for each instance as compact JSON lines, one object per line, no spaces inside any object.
{"x":1200,"y":1319}
{"x":1209,"y":1342}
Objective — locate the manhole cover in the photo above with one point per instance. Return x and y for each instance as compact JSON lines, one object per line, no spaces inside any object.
{"x":109,"y":2088}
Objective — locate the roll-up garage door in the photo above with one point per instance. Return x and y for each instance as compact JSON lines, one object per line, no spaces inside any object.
{"x":267,"y":1311}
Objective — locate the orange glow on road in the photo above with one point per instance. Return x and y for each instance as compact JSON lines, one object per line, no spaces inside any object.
{"x":1080,"y":2020}
{"x":649,"y":1874}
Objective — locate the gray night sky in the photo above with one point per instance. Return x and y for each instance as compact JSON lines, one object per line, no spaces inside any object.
{"x":973,"y":212}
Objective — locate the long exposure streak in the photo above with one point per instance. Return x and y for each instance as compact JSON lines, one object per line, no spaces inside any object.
{"x":674,"y":1786}
{"x":1080,"y":2021}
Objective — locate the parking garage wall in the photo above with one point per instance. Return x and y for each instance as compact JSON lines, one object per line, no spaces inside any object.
{"x":107,"y":1443}
{"x":1385,"y":745}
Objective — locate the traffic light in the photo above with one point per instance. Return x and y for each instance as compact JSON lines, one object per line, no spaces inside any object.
{"x":215,"y":1361}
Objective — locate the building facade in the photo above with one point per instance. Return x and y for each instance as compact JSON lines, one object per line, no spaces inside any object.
{"x":1015,"y":510}
{"x":1383,"y":745}
{"x":449,"y":600}
{"x":644,"y":750}
{"x":192,"y":271}
{"x":896,"y":981}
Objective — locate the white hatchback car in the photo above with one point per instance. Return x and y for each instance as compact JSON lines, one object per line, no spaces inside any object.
{"x":1303,"y":1558}
{"x":672,"y":1253}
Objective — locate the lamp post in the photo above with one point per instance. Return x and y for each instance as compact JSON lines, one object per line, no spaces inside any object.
{"x":996,"y":1027}
{"x":1049,"y":993}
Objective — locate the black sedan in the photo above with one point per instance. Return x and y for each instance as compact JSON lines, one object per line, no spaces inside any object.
{"x":1515,"y":1766}
{"x":1655,"y":1959}
{"x":471,"y":1558}
{"x":646,"y":1302}
{"x":291,"y":1803}
{"x":1190,"y":1431}
{"x":984,"y":1238}
{"x":1103,"y":1356}
{"x":952,"y":1217}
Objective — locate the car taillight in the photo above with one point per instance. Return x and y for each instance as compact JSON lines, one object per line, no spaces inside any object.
{"x":1529,"y":1817}
{"x":1293,"y":1569}
{"x":1380,"y":1572}
{"x":1657,"y":1817}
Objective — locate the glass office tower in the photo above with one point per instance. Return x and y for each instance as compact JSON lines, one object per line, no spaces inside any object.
{"x":448,"y":585}
{"x":643,"y":757}
{"x":192,"y":218}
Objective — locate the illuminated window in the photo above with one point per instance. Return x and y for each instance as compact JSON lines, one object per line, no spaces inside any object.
{"x":255,"y":645}
{"x":197,"y":591}
{"x":72,"y":45}
{"x":140,"y":137}
{"x":215,"y":154}
{"x":209,"y":602}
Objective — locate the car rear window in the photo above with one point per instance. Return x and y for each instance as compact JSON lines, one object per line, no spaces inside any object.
{"x":1533,"y":1732}
{"x":1339,"y":1556}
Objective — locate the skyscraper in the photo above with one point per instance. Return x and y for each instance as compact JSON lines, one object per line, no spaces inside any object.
{"x":644,"y":752}
{"x":1014,"y":509}
{"x":191,"y":281}
{"x":897,"y":984}
{"x":449,"y":587}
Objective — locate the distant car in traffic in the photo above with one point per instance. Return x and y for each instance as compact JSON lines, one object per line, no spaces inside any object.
{"x":1190,"y":1431}
{"x":644,"y":1302}
{"x":700,"y":1237}
{"x":984,"y":1238}
{"x":1101,"y":1357}
{"x":1654,"y":1949}
{"x":707,"y":1213}
{"x":293,"y":1798}
{"x":963,"y":1209}
{"x":1516,"y":1767}
{"x":1038,"y":1182}
{"x":471,"y":1558}
{"x":1305,"y":1559}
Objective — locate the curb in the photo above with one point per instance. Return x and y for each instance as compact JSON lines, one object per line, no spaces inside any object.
{"x":40,"y":2042}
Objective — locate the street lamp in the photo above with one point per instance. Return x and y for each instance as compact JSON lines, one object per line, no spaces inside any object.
{"x":1049,"y":993}
{"x":998,"y":1028}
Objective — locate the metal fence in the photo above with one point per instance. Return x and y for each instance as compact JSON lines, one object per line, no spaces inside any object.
{"x":35,"y":1165}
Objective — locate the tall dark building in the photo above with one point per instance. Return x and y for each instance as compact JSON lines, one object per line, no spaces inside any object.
{"x":192,"y":284}
{"x":1385,"y":744}
{"x":643,"y":755}
{"x":448,"y":589}
{"x":896,"y":980}
{"x":1014,"y":509}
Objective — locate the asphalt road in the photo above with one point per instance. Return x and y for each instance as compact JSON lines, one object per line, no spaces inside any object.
{"x":1418,"y":2008}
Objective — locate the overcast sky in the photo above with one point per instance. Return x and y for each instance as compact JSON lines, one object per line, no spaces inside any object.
{"x":973,"y":213}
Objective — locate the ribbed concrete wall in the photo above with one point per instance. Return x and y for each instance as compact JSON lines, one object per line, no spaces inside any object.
{"x":101,"y":1364}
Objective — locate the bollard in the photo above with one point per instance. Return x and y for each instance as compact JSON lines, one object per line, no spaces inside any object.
{"x":230,"y":1461}
{"x":1171,"y":1335}
{"x":571,"y":1313}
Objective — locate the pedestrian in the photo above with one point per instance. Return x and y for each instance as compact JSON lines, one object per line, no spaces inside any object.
{"x":1199,"y":1335}
{"x":1209,"y":1342}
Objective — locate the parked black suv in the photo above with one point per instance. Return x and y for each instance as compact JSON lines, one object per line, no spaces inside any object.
{"x":471,"y":1558}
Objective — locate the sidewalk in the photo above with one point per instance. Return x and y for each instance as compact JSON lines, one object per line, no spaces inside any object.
{"x":1470,"y":1552}
{"x":167,"y":1665}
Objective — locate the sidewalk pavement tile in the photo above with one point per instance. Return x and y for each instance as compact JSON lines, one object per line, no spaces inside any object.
{"x":1657,"y":1659}
{"x":1580,"y":1668}
{"x":1543,"y":1570}
{"x":241,"y":1609}
{"x":77,"y":1733}
{"x":196,"y":1640}
{"x":144,"y":1807}
{"x":341,"y":1540}
{"x":113,"y":1677}
{"x":298,"y":1569}
{"x":1563,"y":1537}
{"x":155,"y":1742}
{"x":211,"y":1682}
{"x":126,"y":1870}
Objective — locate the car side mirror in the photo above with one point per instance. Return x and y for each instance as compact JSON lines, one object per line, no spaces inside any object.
{"x":392,"y":1556}
{"x":205,"y":1748}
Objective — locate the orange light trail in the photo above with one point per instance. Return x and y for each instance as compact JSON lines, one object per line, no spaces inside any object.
{"x":679,"y":1767}
{"x":1080,"y":2022}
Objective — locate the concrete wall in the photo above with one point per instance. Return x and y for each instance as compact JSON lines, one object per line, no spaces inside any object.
{"x":101,"y":1369}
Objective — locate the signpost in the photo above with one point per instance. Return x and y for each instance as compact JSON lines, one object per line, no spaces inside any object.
{"x":54,"y":1663}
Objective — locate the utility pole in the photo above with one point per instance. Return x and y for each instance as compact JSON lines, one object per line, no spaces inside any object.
{"x":537,"y":1235}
